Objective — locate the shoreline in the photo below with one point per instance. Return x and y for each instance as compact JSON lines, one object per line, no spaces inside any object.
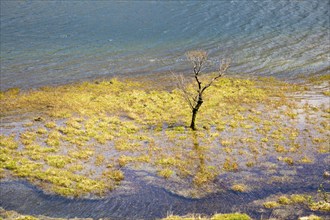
{"x":165,"y":80}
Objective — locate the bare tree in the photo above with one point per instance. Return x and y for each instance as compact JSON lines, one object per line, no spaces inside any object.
{"x":195,"y":101}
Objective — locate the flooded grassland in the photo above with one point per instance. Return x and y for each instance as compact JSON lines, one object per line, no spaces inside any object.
{"x":262,"y":147}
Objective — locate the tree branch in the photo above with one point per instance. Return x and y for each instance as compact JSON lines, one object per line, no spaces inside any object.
{"x":222,"y":69}
{"x":181,"y":84}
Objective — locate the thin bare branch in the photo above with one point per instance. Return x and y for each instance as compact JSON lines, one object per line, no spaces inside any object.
{"x":181,"y":84}
{"x":222,"y":70}
{"x":198,"y":58}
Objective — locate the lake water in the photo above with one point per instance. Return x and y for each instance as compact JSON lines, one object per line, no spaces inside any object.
{"x":55,"y":42}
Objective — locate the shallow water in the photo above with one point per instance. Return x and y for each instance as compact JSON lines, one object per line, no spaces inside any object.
{"x":151,"y":202}
{"x":55,"y":42}
{"x":144,"y":195}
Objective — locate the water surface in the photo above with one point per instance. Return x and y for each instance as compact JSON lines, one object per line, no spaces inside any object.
{"x":52,"y":42}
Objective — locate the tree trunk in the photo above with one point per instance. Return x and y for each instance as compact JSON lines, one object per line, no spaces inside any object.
{"x":194,"y":112}
{"x":193,"y":118}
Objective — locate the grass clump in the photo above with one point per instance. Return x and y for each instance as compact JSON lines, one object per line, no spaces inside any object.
{"x":205,"y":175}
{"x":287,"y":160}
{"x":298,"y":198}
{"x":58,"y":161}
{"x":99,"y":160}
{"x":166,"y":173}
{"x":326,"y":93}
{"x":50,"y":124}
{"x":305,"y":159}
{"x":283,"y":200}
{"x":320,"y":206}
{"x":28,"y":137}
{"x":41,"y":131}
{"x":230,"y":165}
{"x":8,"y":142}
{"x":239,"y":187}
{"x":115,"y":175}
{"x":53,"y":139}
{"x":231,"y":216}
{"x":311,"y":217}
{"x":228,"y":216}
{"x":124,"y":160}
{"x":81,"y":154}
{"x":271,"y":205}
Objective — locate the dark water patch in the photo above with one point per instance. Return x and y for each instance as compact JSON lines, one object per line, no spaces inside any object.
{"x":149,"y":201}
{"x":152,"y":203}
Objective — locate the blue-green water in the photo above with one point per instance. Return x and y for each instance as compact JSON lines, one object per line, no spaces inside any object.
{"x":55,"y":42}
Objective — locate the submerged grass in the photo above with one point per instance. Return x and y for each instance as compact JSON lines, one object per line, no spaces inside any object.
{"x":84,"y":134}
